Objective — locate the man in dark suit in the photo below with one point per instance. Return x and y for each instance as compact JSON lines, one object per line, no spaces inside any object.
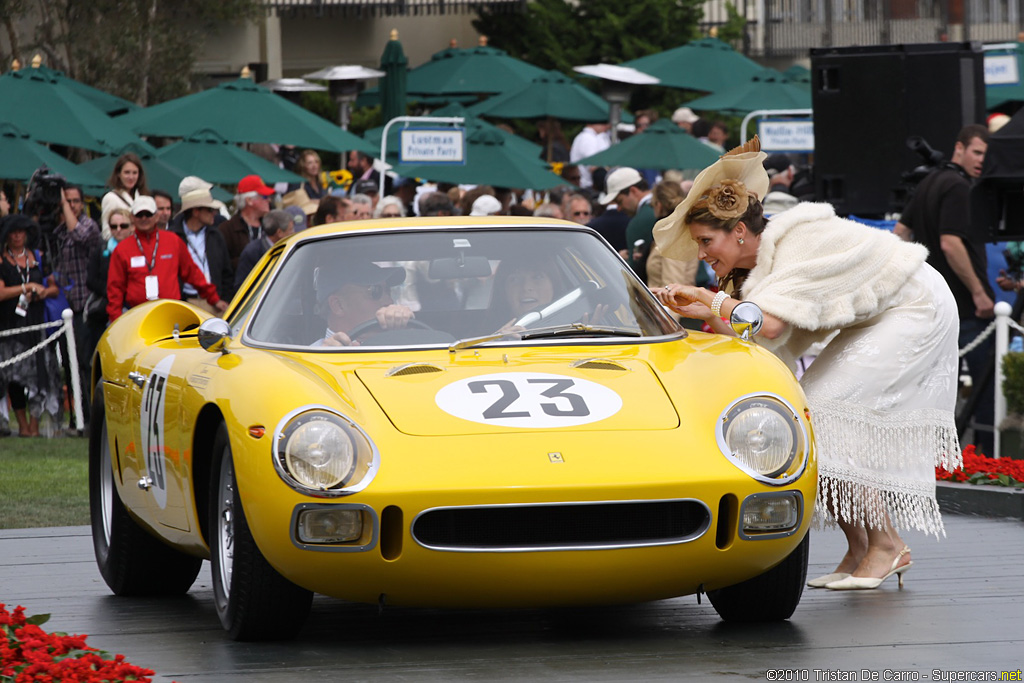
{"x":276,"y":225}
{"x":194,"y":224}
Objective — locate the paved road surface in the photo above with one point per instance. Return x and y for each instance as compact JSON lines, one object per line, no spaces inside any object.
{"x":962,"y":610}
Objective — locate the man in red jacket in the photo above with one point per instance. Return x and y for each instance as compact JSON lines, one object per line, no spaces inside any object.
{"x":148,"y":265}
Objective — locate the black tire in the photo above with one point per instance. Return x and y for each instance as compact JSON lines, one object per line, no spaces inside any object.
{"x":772,"y":596}
{"x":253,"y":601}
{"x":131,"y":561}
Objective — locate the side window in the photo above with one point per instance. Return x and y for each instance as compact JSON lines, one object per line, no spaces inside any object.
{"x":248,"y":298}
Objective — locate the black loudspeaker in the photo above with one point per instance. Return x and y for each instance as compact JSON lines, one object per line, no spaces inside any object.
{"x":869,"y":100}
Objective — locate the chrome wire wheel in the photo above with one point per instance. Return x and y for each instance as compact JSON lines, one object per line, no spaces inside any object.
{"x":253,"y":601}
{"x":107,"y":493}
{"x":225,"y":524}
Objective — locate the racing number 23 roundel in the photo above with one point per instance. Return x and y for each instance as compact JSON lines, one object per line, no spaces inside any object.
{"x":530,"y":400}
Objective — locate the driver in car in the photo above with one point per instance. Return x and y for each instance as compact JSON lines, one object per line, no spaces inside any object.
{"x":356,"y":294}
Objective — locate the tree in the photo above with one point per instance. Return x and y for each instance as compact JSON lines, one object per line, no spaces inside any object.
{"x":560,"y":34}
{"x":142,"y":50}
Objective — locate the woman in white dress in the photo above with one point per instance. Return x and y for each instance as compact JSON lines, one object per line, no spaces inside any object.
{"x":882,"y":392}
{"x":127,"y":181}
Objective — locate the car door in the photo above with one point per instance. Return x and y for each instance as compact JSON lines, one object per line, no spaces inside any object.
{"x":163,"y":443}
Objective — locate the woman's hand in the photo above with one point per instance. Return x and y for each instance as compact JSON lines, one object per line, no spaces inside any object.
{"x":684,"y":300}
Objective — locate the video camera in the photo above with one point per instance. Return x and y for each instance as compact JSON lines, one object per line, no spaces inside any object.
{"x":932,"y":159}
{"x":43,"y":198}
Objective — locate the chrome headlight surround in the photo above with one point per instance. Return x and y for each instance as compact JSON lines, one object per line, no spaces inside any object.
{"x":319,"y":452}
{"x":763,"y":435}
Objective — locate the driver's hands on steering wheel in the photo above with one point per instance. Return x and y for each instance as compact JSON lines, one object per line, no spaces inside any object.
{"x":394,"y":316}
{"x":390,"y":317}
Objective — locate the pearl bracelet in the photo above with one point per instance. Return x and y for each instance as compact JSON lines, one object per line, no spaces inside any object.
{"x":716,"y":303}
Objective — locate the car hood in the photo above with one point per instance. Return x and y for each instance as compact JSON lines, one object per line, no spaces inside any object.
{"x":435,"y":399}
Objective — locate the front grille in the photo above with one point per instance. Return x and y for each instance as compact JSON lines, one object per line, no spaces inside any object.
{"x":562,"y":525}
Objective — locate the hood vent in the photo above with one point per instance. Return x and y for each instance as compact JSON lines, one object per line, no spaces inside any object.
{"x":598,"y":364}
{"x":412,"y":369}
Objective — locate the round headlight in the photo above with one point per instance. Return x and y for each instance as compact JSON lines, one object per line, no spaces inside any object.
{"x":319,"y":454}
{"x":763,"y":436}
{"x":318,"y":451}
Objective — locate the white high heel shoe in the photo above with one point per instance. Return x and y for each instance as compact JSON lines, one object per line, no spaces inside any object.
{"x":853,"y":583}
{"x":823,"y":581}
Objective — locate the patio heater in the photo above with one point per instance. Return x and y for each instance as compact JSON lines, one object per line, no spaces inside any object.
{"x":344,"y":85}
{"x":292,"y":88}
{"x":617,"y":84}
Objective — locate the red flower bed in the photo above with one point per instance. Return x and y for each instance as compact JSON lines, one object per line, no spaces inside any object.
{"x":978,"y":469}
{"x":29,"y":654}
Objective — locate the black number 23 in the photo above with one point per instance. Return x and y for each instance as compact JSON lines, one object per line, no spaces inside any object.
{"x":509,"y":394}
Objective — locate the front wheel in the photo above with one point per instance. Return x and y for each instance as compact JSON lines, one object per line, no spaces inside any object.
{"x":131,"y":561}
{"x":772,"y":596}
{"x":253,"y":601}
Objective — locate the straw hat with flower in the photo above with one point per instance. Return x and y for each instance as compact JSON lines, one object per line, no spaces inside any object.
{"x":728,"y":185}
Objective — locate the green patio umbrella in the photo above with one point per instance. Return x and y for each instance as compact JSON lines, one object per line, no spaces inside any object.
{"x":767,"y":89}
{"x":394,"y":64}
{"x":798,"y":75}
{"x":708,"y":65}
{"x":370,"y":97}
{"x":471,"y":71}
{"x":160,"y":175}
{"x":472,"y":124}
{"x":215,"y":160}
{"x":662,"y":146}
{"x":111,"y":105}
{"x":550,"y":96}
{"x":46,"y":108}
{"x":490,"y":160}
{"x":20,"y":157}
{"x":242,"y":111}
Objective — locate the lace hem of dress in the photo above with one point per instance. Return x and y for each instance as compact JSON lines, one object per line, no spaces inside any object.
{"x":881,"y":440}
{"x":873,"y":464}
{"x":909,"y":505}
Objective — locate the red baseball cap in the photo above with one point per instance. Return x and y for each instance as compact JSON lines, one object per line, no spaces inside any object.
{"x":253,"y":183}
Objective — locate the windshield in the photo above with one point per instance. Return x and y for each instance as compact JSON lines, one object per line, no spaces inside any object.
{"x":445,"y":286}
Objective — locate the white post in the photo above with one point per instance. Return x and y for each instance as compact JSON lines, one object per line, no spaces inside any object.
{"x":76,"y":386}
{"x":1003,"y":311}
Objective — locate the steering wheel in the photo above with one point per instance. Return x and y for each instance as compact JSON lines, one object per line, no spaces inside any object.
{"x":578,"y":296}
{"x":374,"y":325}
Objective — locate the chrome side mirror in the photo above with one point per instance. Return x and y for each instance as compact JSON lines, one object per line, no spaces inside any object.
{"x":746,"y":319}
{"x":214,"y":334}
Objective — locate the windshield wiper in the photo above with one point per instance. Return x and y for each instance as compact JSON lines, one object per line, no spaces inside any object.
{"x":577,"y":330}
{"x":570,"y":330}
{"x":473,"y":341}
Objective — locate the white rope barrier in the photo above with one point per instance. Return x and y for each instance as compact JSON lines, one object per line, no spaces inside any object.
{"x":979,"y":339}
{"x":66,"y":329}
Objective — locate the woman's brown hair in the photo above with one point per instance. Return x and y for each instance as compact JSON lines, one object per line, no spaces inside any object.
{"x":752,"y":218}
{"x":114,"y":181}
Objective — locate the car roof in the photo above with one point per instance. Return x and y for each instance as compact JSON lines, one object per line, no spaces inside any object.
{"x":388,"y":224}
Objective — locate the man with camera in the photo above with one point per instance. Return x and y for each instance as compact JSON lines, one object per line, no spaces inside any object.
{"x":938,"y":216}
{"x":74,"y":238}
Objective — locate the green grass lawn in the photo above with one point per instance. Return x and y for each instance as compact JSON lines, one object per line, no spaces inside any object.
{"x":43,"y":482}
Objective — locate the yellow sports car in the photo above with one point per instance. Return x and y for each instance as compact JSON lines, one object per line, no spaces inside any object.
{"x":446,"y":412}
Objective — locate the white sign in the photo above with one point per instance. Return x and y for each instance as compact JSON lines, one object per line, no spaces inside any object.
{"x":786,"y":135}
{"x":530,"y":400}
{"x":153,"y":427}
{"x":1001,"y":70}
{"x":433,"y":146}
